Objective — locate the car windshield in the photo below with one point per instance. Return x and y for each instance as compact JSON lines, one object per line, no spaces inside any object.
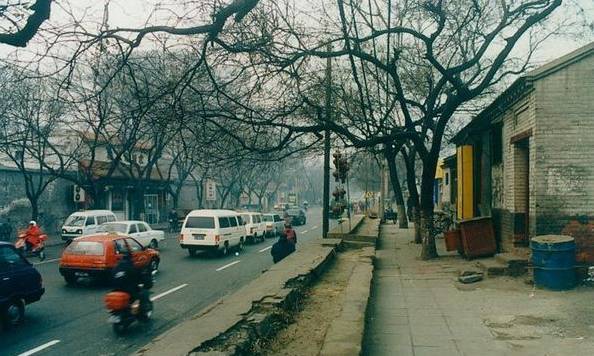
{"x":114,"y":227}
{"x":294,"y":212}
{"x":267,"y":218}
{"x":75,"y":220}
{"x":200,"y":222}
{"x":90,"y":248}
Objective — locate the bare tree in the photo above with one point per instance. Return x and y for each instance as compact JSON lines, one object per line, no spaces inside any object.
{"x":20,"y":20}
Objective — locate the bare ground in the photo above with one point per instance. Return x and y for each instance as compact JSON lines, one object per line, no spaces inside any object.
{"x":306,"y":335}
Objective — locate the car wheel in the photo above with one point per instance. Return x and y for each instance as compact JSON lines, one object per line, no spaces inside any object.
{"x":154,"y":244}
{"x":70,"y":278}
{"x":225,"y":250}
{"x":14,"y":313}
{"x":192,"y":252}
{"x":154,"y":267}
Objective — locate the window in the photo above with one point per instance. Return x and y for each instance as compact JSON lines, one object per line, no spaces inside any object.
{"x":277,"y":218}
{"x":200,"y":222}
{"x":258,"y":218}
{"x":117,"y":200}
{"x":87,"y":248}
{"x":111,"y":218}
{"x":101,"y":220}
{"x":233,"y":221}
{"x":134,"y":245}
{"x":240,"y":220}
{"x":75,"y":220}
{"x":223,"y":222}
{"x":9,"y":257}
{"x":90,"y":221}
{"x":133,"y":229}
{"x":114,"y":227}
{"x":267,"y":218}
{"x":142,"y":227}
{"x":496,"y":144}
{"x":120,"y":246}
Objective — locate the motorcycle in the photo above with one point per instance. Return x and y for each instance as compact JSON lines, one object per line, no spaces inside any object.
{"x":124,"y":311}
{"x":37,"y":250}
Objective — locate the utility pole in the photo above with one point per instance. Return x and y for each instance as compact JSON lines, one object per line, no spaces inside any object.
{"x":326,"y":204}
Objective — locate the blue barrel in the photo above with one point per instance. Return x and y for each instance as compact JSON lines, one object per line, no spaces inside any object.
{"x":553,"y":258}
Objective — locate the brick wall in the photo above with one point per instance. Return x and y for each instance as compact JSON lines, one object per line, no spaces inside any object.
{"x":565,"y":153}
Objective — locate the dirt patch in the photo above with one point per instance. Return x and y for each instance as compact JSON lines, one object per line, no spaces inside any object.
{"x":322,"y":305}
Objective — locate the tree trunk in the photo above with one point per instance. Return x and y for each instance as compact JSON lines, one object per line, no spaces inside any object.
{"x":393,"y":169}
{"x":429,"y":250}
{"x":138,"y":203}
{"x":34,"y":208}
{"x":411,"y":183}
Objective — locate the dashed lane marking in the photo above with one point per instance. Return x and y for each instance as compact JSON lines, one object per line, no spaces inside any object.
{"x":265,"y":248}
{"x":40,"y":348}
{"x":44,"y":262}
{"x":227,"y":265}
{"x":158,"y":296}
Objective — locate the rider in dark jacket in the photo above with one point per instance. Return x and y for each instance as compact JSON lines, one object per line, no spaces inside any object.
{"x":127,"y":278}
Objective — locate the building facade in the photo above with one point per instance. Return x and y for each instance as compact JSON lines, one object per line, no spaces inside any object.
{"x":525,"y":159}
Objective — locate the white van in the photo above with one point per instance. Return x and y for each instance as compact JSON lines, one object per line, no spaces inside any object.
{"x":255,"y":226}
{"x":85,"y":222}
{"x":212,"y":230}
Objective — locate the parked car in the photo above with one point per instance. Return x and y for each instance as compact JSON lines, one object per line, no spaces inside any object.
{"x":255,"y":227}
{"x":95,"y":256}
{"x":212,"y":230}
{"x":296,"y":216}
{"x":20,"y":284}
{"x":85,"y":223}
{"x":139,"y":230}
{"x":274,"y":224}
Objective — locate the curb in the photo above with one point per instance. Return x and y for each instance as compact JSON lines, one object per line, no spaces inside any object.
{"x":346,"y":333}
{"x":240,"y":323}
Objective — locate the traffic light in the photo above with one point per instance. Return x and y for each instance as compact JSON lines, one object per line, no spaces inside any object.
{"x":342,"y":167}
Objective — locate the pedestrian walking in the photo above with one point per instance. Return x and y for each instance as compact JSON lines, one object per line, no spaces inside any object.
{"x":282,"y":248}
{"x":173,"y":220}
{"x":290,"y":233}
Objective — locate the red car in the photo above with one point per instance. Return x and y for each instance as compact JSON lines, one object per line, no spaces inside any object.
{"x":96,"y":255}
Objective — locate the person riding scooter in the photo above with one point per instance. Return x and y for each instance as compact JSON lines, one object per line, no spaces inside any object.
{"x":32,"y":236}
{"x":127,"y":278}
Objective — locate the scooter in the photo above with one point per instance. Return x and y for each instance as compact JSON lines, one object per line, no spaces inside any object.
{"x":36,"y":250}
{"x":124,"y":311}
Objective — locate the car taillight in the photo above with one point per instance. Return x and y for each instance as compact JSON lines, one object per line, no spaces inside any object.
{"x":217,"y":238}
{"x":252,"y":230}
{"x":181,"y":237}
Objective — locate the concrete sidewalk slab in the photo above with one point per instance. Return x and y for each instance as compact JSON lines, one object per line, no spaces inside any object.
{"x":418,"y":308}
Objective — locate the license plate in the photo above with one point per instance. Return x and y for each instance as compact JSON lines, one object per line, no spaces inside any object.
{"x":114,"y":319}
{"x":199,"y":236}
{"x":81,"y":274}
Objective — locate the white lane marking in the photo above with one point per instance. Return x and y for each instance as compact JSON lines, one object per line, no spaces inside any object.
{"x":265,"y":248}
{"x":39,"y":348}
{"x":158,"y":296}
{"x":44,"y":262}
{"x":227,"y":265}
{"x":304,"y":231}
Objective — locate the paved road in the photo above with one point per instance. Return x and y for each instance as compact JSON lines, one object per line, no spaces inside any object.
{"x":73,"y":321}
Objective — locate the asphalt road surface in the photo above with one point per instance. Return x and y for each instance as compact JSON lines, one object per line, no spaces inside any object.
{"x":73,"y":321}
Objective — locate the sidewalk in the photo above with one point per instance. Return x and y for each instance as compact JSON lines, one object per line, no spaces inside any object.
{"x":418,"y":308}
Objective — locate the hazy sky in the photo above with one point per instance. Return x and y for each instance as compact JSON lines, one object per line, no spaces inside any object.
{"x":138,"y":13}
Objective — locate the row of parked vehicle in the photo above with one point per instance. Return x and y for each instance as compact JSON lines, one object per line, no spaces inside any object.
{"x":223,"y":230}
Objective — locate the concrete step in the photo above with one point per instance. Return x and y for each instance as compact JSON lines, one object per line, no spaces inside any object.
{"x":517,"y":265}
{"x":492,"y":267}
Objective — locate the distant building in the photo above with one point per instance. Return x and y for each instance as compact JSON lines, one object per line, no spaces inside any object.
{"x":526,"y":160}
